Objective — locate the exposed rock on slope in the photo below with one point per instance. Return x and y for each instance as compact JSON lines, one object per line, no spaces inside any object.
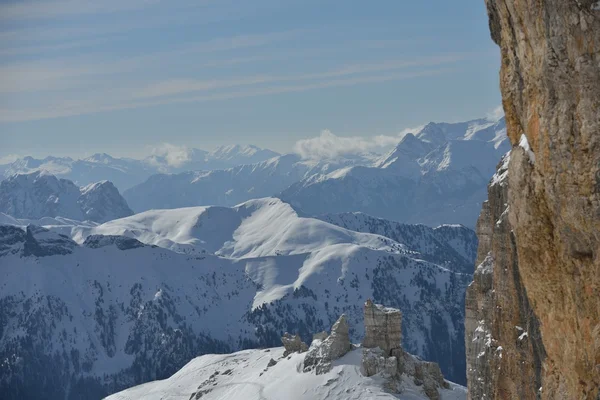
{"x":550,"y":81}
{"x":41,"y":194}
{"x":323,"y":352}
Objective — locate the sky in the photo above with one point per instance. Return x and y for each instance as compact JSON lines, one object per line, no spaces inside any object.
{"x":84,"y":76}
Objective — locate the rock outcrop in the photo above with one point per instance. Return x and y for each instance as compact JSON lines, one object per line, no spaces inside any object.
{"x":384,"y":356}
{"x":383,"y":327}
{"x":322,"y":352}
{"x":293,"y":344}
{"x":533,"y":311}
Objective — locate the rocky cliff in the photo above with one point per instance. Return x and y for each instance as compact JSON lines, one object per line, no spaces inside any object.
{"x":533,"y":323}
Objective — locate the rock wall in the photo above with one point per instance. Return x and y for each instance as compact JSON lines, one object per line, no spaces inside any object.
{"x":504,"y":350}
{"x":541,"y":257}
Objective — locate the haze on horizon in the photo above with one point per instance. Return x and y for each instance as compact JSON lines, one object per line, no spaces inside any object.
{"x":79,"y":77}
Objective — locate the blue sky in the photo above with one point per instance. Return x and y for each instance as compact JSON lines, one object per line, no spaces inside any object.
{"x":82,"y":76}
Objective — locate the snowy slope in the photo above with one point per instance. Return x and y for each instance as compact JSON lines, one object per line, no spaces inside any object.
{"x":256,"y":228}
{"x":40,"y":194}
{"x":128,"y":313}
{"x":245,"y":375}
{"x":455,"y":245}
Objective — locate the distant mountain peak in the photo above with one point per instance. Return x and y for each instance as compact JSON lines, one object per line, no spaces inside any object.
{"x":41,"y":194}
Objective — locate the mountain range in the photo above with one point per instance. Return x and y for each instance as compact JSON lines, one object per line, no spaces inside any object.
{"x":127,"y":172}
{"x":87,"y":309}
{"x":437,"y":175}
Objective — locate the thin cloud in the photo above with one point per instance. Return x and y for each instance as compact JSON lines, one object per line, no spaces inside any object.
{"x":9,"y":158}
{"x":182,"y":86}
{"x":173,"y":155}
{"x":79,"y":108}
{"x":65,"y":73}
{"x":495,"y":114}
{"x":27,"y":10}
{"x":330,"y":146}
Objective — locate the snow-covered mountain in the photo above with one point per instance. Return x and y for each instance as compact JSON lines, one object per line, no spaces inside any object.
{"x":437,"y":176}
{"x":84,"y":318}
{"x":40,"y":194}
{"x":128,"y":172}
{"x":227,"y":187}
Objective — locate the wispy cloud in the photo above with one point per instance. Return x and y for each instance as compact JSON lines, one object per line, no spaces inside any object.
{"x":69,"y":73}
{"x":40,"y":9}
{"x":330,"y":146}
{"x":9,"y":158}
{"x":171,"y":154}
{"x":496,"y":114}
{"x":182,"y":86}
{"x":73,"y":108}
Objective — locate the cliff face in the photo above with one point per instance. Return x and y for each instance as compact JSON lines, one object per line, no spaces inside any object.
{"x":503,"y":344}
{"x":540,"y":230}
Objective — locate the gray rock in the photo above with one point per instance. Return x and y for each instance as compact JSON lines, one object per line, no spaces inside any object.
{"x":320,"y":336}
{"x":293,"y":344}
{"x":322,"y":352}
{"x":383,"y":327}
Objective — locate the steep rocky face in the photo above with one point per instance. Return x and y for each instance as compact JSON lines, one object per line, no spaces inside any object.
{"x":547,"y":255}
{"x":504,"y":350}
